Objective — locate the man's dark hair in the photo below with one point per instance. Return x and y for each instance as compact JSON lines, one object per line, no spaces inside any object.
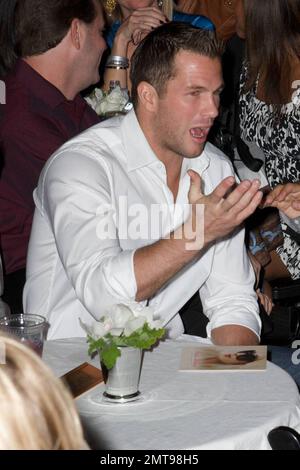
{"x":247,"y":356}
{"x":32,"y":27}
{"x":153,"y":60}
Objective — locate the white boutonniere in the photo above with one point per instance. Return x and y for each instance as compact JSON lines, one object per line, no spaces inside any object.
{"x":114,"y":101}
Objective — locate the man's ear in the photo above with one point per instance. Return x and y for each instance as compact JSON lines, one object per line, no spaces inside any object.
{"x":75,"y":32}
{"x":148,"y":96}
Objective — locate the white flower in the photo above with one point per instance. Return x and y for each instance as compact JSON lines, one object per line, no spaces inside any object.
{"x":98,"y":330}
{"x":148,"y":313}
{"x":133,"y":325}
{"x":120,"y":327}
{"x":94,"y":99}
{"x":114,"y":101}
{"x":122,"y":320}
{"x":103,"y":103}
{"x":116,"y":331}
{"x":120,"y":315}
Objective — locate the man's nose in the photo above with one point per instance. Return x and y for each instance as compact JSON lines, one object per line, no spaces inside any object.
{"x":211,"y":107}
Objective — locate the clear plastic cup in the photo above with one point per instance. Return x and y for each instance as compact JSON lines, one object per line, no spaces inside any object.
{"x":28,"y":328}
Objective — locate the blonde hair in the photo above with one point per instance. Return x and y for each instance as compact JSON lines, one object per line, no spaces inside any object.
{"x":167,"y":8}
{"x":36,"y":410}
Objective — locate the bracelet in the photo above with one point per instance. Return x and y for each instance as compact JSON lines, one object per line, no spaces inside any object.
{"x":118,"y":60}
{"x":117,"y":64}
{"x":115,"y":67}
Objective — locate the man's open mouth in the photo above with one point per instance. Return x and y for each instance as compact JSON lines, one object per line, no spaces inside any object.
{"x":199,"y":132}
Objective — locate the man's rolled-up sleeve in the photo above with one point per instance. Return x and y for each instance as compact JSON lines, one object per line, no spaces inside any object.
{"x":228,"y":295}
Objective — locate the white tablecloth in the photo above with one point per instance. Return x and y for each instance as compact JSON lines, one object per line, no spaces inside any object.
{"x":183,"y":410}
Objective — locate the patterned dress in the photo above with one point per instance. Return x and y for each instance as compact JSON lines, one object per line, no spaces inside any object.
{"x":280,"y":143}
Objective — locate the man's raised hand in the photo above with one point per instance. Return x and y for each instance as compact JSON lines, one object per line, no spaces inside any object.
{"x":224,"y":209}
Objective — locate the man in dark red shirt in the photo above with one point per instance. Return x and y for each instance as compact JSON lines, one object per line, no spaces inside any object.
{"x":59,"y":58}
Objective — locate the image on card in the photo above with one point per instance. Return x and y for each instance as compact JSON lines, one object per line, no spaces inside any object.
{"x":223,"y":358}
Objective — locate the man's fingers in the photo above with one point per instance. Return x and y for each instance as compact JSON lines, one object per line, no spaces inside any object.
{"x":241,"y":196}
{"x":195,"y":191}
{"x":250,"y":207}
{"x":221,"y":190}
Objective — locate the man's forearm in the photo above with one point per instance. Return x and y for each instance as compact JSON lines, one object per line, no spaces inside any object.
{"x":234,"y":335}
{"x":156,"y":264}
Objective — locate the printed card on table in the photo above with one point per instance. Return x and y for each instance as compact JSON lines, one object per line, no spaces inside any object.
{"x":223,"y":358}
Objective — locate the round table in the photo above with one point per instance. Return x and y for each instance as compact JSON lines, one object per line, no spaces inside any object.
{"x":183,"y":409}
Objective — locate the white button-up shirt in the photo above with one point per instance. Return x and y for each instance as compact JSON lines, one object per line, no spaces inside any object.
{"x":103,"y":182}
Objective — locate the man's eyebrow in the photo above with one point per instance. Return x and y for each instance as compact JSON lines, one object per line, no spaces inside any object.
{"x":196,"y":87}
{"x":202,"y":88}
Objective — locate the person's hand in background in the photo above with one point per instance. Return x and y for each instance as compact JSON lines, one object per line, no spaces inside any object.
{"x":139,"y":23}
{"x":263,"y":299}
{"x":286,"y":198}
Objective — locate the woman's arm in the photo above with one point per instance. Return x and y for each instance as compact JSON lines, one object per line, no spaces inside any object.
{"x":128,"y":36}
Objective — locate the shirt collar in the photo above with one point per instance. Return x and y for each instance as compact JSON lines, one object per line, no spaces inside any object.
{"x":38,"y":86}
{"x":139,"y":153}
{"x":137,"y":148}
{"x":198,"y":164}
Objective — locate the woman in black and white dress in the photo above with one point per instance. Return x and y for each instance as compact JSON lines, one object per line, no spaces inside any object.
{"x":270,"y":106}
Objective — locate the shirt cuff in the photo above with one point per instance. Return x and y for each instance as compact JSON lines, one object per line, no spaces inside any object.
{"x":250,"y":320}
{"x":120,"y":278}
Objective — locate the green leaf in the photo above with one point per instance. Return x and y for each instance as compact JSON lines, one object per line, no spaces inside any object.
{"x":109,"y":355}
{"x":95,"y":344}
{"x":143,"y":338}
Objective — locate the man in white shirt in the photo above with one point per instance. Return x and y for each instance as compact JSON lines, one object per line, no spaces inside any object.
{"x":106,"y":230}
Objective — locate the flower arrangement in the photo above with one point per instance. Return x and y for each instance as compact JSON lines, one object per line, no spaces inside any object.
{"x":122,"y":326}
{"x":116,"y":100}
